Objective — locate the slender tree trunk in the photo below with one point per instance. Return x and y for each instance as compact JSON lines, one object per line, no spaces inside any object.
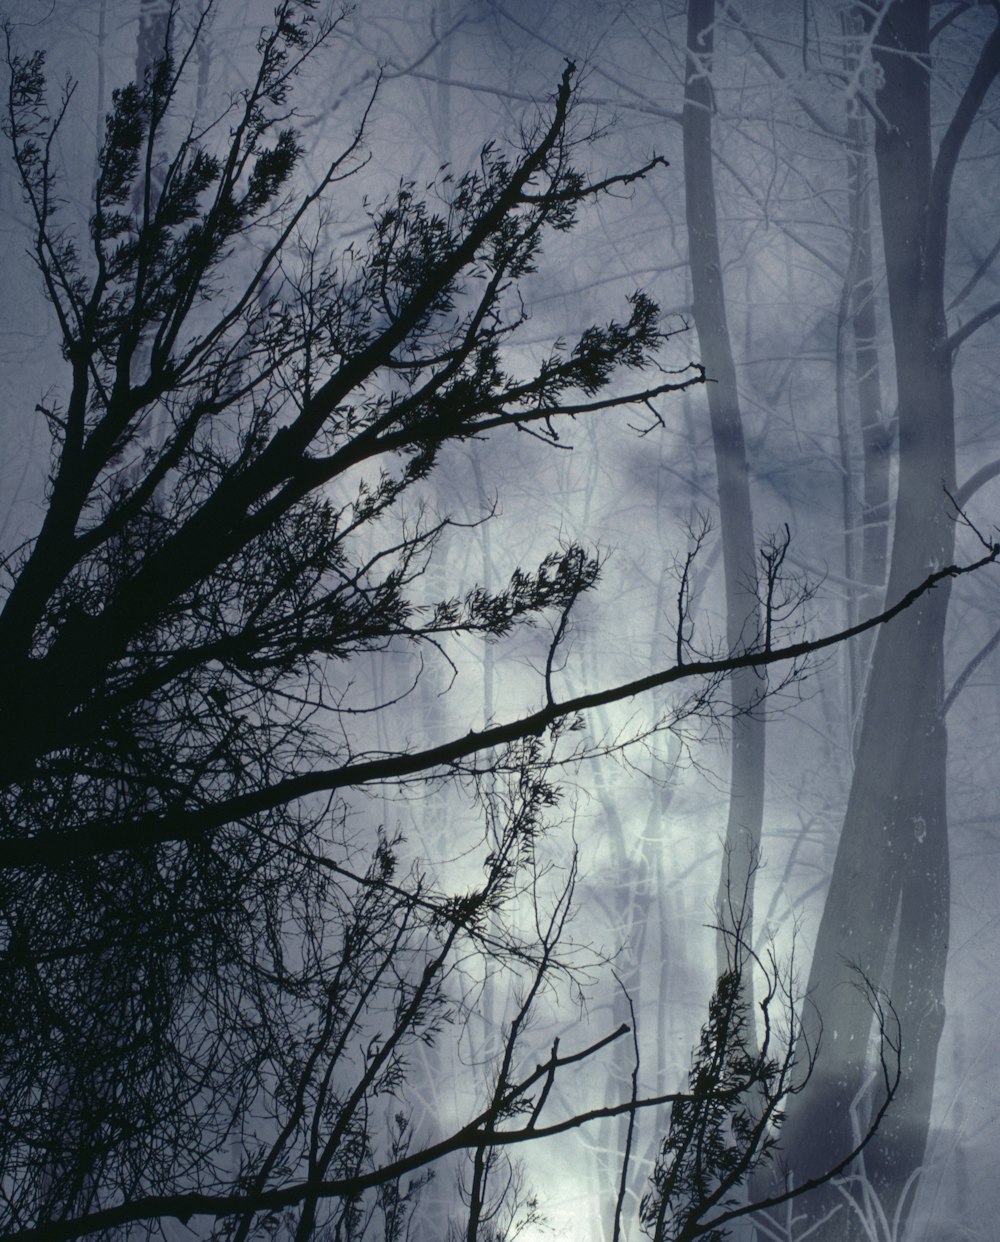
{"x":889,"y":892}
{"x":746,"y":797}
{"x":876,"y":438}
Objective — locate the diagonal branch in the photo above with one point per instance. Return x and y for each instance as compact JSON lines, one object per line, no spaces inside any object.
{"x":986,"y":70}
{"x":973,"y":325}
{"x":188,"y":823}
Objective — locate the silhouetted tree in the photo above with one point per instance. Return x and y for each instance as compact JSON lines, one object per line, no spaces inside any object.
{"x":216,"y":965}
{"x":726,"y":1131}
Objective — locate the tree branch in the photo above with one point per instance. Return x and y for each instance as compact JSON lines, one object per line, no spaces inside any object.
{"x":184,"y":824}
{"x":987,"y":68}
{"x":973,"y":325}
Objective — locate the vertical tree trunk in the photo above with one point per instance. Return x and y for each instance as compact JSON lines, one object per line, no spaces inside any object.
{"x":876,"y":439}
{"x":875,"y":434}
{"x":746,"y":797}
{"x":891,"y":871}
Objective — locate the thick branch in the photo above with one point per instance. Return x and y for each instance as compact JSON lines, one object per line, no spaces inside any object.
{"x":987,"y":68}
{"x":185,"y":824}
{"x":962,"y":680}
{"x":480,"y":1131}
{"x":974,"y":324}
{"x":972,"y":485}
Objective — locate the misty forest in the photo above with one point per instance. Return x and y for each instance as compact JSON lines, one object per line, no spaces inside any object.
{"x":499,"y":620}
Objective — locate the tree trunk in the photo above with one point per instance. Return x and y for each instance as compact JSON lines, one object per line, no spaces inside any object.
{"x":746,"y":797}
{"x":889,"y":892}
{"x":876,"y":439}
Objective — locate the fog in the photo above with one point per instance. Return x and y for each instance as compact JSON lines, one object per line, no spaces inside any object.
{"x":823,"y":821}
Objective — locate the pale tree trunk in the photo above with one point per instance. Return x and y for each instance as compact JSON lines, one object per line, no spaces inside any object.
{"x":875,"y":432}
{"x":876,"y":435}
{"x":746,"y":797}
{"x":888,"y":904}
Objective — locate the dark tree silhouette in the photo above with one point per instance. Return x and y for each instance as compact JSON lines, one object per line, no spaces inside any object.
{"x":214,"y":978}
{"x":724,"y":1144}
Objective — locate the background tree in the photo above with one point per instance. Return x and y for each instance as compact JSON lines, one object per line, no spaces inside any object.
{"x":890,"y":885}
{"x":739,"y":548}
{"x":785,"y":79}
